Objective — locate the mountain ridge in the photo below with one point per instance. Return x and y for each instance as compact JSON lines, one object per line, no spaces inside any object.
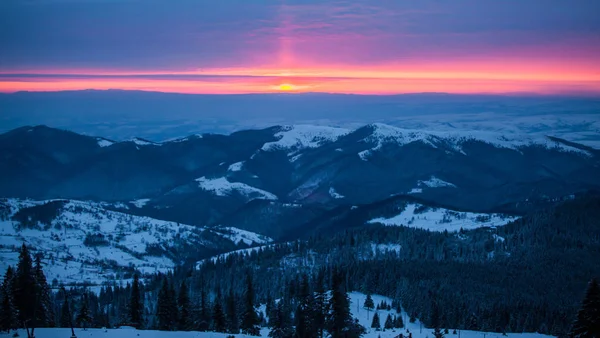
{"x":204,"y":179}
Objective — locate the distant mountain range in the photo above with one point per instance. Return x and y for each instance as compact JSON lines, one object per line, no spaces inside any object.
{"x":194,"y":197}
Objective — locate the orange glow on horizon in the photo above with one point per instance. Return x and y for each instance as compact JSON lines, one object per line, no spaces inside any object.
{"x":286,"y":87}
{"x":494,"y":77}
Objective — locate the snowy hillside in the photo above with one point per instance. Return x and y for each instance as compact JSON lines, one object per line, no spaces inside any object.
{"x":385,"y":134}
{"x":84,"y":242}
{"x":439,"y":219}
{"x":304,"y":136}
{"x":222,"y":187}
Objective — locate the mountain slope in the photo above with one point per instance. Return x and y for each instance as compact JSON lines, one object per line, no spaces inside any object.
{"x":85,"y":242}
{"x":307,"y":165}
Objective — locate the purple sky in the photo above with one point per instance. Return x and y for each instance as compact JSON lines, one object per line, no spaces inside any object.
{"x":542,"y":43}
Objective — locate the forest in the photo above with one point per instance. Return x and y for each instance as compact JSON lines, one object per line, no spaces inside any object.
{"x":527,"y":276}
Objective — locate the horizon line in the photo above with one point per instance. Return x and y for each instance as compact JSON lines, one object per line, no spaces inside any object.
{"x":525,"y":94}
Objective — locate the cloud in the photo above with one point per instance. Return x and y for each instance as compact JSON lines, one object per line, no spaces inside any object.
{"x":46,"y":36}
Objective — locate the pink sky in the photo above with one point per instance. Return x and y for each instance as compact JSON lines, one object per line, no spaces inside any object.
{"x":360,"y":47}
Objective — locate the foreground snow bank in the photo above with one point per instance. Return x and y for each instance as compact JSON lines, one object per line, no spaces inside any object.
{"x":123,"y":333}
{"x":357,"y":300}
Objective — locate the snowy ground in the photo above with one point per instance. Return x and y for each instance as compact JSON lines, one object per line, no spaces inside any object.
{"x":357,"y":300}
{"x":126,"y":241}
{"x":440,"y":219}
{"x":222,"y":187}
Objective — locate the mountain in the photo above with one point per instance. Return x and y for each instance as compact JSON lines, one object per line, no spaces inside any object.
{"x":214,"y":179}
{"x":83,"y":242}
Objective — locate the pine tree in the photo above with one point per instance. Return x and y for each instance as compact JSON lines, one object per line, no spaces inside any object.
{"x":587,"y":324}
{"x":435,"y":319}
{"x":389,"y":322}
{"x":233,"y":325}
{"x":183,"y":302}
{"x":398,"y":322}
{"x":280,"y":324}
{"x":173,"y":310}
{"x":136,"y":307}
{"x":44,"y":312}
{"x":7,"y":316}
{"x":250,"y":320}
{"x":375,"y":324}
{"x":65,"y":315}
{"x":83,"y":317}
{"x":320,"y":307}
{"x":340,"y":323}
{"x":369,"y":304}
{"x":204,"y":313}
{"x":163,"y":314}
{"x":304,"y":311}
{"x":219,"y":321}
{"x":24,"y":288}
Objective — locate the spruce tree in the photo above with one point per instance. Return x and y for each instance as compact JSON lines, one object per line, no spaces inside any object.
{"x":219,"y":321}
{"x":587,"y":324}
{"x":24,"y":292}
{"x":7,"y":315}
{"x":304,"y":311}
{"x":84,"y":317}
{"x":163,"y":307}
{"x":369,"y":304}
{"x":183,"y":302}
{"x":339,"y":320}
{"x":204,"y":314}
{"x":250,"y":319}
{"x":233,"y":325}
{"x":173,"y":310}
{"x":136,"y":306}
{"x":320,"y":307}
{"x":398,"y":322}
{"x":280,"y":324}
{"x":389,"y":322}
{"x":376,"y":324}
{"x":44,"y":312}
{"x":65,"y":315}
{"x":435,"y":319}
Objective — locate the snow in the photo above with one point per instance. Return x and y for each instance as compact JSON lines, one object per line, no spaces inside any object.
{"x":364,"y":155}
{"x":183,"y":139}
{"x":238,"y":235}
{"x":126,"y":239}
{"x":222,"y":187}
{"x":224,"y":256}
{"x":141,"y":142}
{"x":125,"y":332}
{"x":415,"y":191}
{"x":304,"y":136}
{"x":440,"y":219}
{"x":385,"y":248}
{"x":357,"y":300}
{"x":418,"y":330}
{"x":102,"y":142}
{"x":334,"y":193}
{"x":236,"y":166}
{"x":383,"y":134}
{"x":140,"y":203}
{"x":435,"y":182}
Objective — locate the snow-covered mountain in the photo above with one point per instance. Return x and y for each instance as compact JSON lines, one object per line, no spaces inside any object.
{"x":85,"y":242}
{"x":250,"y":177}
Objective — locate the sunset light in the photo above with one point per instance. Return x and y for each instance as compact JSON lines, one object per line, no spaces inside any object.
{"x":286,"y":87}
{"x":379,"y":48}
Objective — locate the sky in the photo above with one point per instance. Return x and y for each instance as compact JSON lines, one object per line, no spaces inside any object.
{"x":549,"y":47}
